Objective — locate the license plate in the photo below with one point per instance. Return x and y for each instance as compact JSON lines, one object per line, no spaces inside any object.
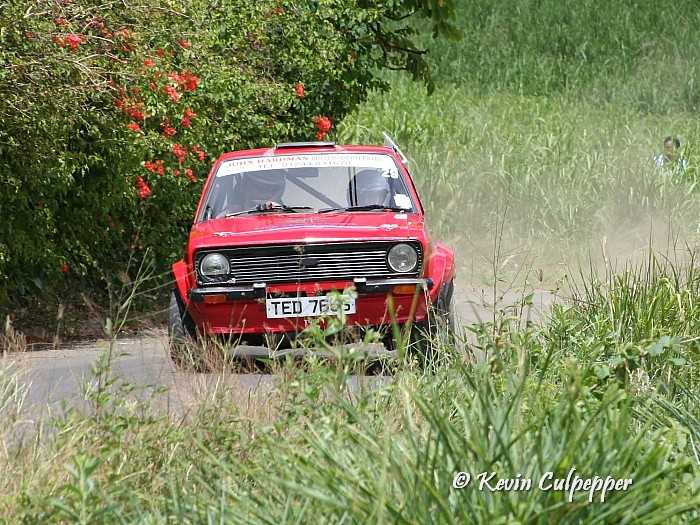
{"x":309,"y":306}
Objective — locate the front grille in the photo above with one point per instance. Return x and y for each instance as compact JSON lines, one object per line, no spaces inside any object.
{"x":307,"y":262}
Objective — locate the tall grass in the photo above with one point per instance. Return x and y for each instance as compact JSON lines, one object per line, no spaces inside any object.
{"x":604,"y":387}
{"x":560,"y":171}
{"x":638,"y":324}
{"x":624,"y":53}
{"x":321,"y":448}
{"x":550,"y":114}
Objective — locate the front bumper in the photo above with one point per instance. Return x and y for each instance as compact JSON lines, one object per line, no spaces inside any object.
{"x":242,"y":309}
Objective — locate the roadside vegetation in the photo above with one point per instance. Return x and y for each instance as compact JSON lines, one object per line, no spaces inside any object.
{"x":607,"y":386}
{"x":112,"y":113}
{"x":534,"y":156}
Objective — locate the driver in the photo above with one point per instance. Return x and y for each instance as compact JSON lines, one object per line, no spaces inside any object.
{"x":263,"y":187}
{"x":257,"y":189}
{"x":369,"y":187}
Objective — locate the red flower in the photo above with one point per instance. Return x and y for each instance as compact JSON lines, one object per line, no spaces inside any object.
{"x":190,"y":174}
{"x":61,"y":21}
{"x":148,"y":62}
{"x":300,"y":90}
{"x":28,"y":35}
{"x":187,"y":81}
{"x":160,"y":53}
{"x":73,"y":41}
{"x":110,"y":221}
{"x":179,"y":152}
{"x":144,"y":189}
{"x":184,"y":43}
{"x":167,"y":130}
{"x":135,"y":113}
{"x":150,"y":166}
{"x":200,"y":155}
{"x":65,"y":267}
{"x":323,"y":124}
{"x":134,"y":127}
{"x":172,"y":93}
{"x":40,"y":203}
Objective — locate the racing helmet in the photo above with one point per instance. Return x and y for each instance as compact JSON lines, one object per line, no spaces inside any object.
{"x":263,"y":186}
{"x":369,"y":187}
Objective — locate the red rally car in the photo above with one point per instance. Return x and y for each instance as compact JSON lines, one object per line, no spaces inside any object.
{"x":287,"y":234}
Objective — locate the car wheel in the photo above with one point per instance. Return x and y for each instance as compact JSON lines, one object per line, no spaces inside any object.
{"x":443,"y":315}
{"x":429,"y":337}
{"x":182,"y":333}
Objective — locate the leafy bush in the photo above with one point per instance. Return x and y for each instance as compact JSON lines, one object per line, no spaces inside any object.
{"x":111,"y":114}
{"x":638,"y":326}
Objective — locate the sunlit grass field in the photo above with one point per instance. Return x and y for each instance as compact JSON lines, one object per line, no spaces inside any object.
{"x":549,"y":176}
{"x":534,"y":156}
{"x":544,"y":124}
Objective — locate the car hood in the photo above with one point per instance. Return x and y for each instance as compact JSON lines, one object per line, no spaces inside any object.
{"x":276,"y":228}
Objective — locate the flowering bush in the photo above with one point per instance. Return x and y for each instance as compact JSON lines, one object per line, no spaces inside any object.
{"x":116,"y":110}
{"x":323,"y":124}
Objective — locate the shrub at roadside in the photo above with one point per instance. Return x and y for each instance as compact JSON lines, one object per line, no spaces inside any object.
{"x":110,"y":115}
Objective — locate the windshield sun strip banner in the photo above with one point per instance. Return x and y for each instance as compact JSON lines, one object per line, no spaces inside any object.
{"x":357,"y":160}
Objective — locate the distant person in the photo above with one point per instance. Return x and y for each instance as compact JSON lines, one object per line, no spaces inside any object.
{"x":670,"y":160}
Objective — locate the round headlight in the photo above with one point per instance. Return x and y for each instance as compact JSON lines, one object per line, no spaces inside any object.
{"x":403,"y":258}
{"x":214,"y":265}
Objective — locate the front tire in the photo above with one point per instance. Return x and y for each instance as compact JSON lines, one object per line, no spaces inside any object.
{"x":428,"y":338}
{"x":182,"y":332}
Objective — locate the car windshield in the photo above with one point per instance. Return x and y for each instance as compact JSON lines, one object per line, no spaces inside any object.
{"x":312,"y":183}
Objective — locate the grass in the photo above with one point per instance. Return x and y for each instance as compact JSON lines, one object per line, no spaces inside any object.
{"x":559,"y":173}
{"x":321,"y":446}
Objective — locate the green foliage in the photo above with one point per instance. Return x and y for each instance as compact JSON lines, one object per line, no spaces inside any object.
{"x":324,"y":445}
{"x":639,"y":325}
{"x":545,"y":120}
{"x":596,"y":49}
{"x":111,"y":115}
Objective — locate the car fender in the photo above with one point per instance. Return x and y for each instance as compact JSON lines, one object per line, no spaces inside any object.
{"x":441,"y":268}
{"x":181,"y":274}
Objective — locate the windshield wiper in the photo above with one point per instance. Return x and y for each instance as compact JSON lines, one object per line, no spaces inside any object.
{"x":261,"y":208}
{"x":369,"y":207}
